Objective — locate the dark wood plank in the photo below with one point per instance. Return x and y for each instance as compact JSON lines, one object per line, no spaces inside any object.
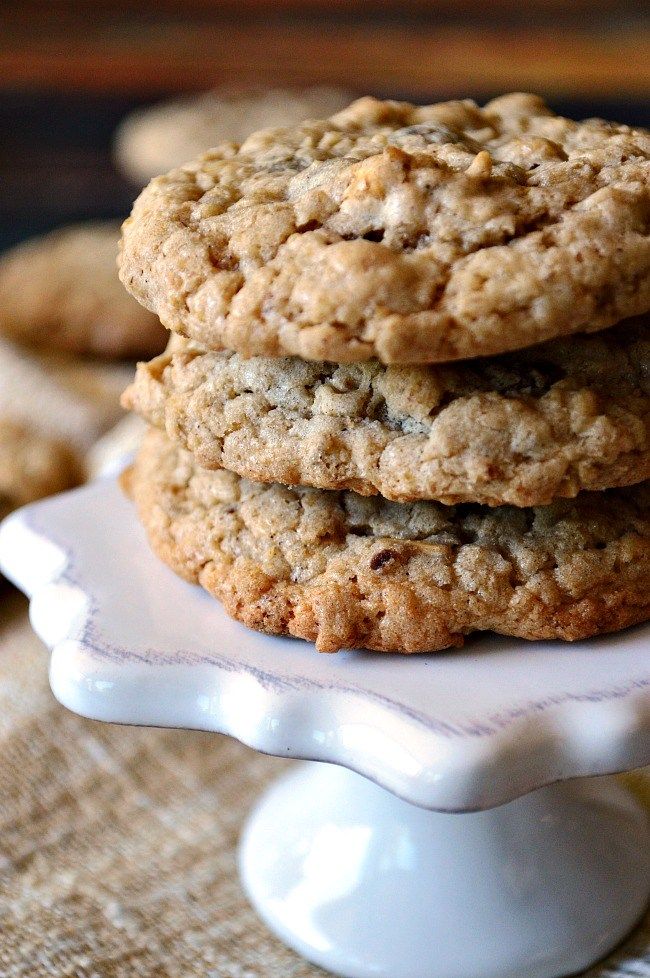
{"x":382,"y":57}
{"x":361,"y":8}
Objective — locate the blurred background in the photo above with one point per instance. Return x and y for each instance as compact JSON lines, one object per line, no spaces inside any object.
{"x":69,"y":71}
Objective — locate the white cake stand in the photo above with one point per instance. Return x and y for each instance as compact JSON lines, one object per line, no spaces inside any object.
{"x":372,"y":876}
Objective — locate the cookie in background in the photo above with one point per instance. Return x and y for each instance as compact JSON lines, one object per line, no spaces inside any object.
{"x":52,"y":410}
{"x":156,"y":139}
{"x":32,"y":465}
{"x":61,"y":292}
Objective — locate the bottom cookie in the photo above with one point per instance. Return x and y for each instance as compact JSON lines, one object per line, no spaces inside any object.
{"x":347,"y":571}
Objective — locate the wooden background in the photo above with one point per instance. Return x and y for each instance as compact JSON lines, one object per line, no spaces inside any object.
{"x":590,"y":49}
{"x":70,"y":70}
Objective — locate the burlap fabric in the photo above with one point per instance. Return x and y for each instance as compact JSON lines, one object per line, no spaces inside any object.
{"x":117,"y":845}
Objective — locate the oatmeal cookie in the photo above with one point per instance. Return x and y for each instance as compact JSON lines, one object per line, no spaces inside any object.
{"x":348,"y":571}
{"x":521,"y":428}
{"x":62,"y":397}
{"x":61,"y":292}
{"x":52,"y":409}
{"x":32,"y":465}
{"x":410,"y":234}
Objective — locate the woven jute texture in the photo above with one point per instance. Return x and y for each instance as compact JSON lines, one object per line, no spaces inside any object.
{"x":117,"y":845}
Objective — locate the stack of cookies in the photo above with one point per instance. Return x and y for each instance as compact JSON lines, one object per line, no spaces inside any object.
{"x":408,"y":394}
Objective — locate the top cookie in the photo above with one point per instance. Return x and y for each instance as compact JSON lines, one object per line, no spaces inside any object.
{"x":155,"y":139}
{"x":61,"y":292}
{"x":414,"y":234}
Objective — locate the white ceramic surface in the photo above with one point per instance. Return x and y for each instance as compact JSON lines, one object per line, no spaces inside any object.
{"x":368,"y":886}
{"x":460,"y":731}
{"x":351,"y":876}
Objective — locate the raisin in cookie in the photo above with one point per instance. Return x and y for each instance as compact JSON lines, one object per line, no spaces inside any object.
{"x":61,"y":292}
{"x":155,"y":139}
{"x":411,"y":234}
{"x":348,"y":571}
{"x":521,"y":428}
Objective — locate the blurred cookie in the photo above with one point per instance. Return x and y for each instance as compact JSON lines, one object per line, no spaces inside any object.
{"x":52,"y":409}
{"x":521,"y":428}
{"x":155,"y":139}
{"x":61,"y":292}
{"x":96,"y":388}
{"x":413,"y":234}
{"x":32,"y":465}
{"x":348,"y":571}
{"x":69,"y":400}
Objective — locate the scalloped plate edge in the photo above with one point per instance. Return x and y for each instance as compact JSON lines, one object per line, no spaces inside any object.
{"x":575,"y":739}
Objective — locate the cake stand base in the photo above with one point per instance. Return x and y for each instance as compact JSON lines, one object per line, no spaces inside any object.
{"x":368,"y":886}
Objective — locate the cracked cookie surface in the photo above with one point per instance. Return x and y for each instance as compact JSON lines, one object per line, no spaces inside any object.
{"x":521,"y":428}
{"x":348,"y":571}
{"x":62,"y":292}
{"x":413,"y":234}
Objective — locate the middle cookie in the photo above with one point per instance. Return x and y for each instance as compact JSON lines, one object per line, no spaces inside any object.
{"x":522,"y":428}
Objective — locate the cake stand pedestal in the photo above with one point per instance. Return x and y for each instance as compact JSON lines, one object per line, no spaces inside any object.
{"x":446,"y":836}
